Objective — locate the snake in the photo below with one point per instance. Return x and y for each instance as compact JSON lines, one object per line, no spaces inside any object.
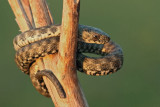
{"x":39,"y":42}
{"x":49,"y":74}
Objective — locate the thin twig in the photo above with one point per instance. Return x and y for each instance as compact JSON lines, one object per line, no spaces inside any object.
{"x":25,"y":15}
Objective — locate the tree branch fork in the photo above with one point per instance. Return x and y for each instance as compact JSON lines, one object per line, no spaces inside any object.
{"x":63,"y":62}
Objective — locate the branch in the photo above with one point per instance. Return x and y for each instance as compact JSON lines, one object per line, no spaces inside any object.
{"x":63,"y":63}
{"x":39,"y":11}
{"x":67,"y":56}
{"x":23,"y":25}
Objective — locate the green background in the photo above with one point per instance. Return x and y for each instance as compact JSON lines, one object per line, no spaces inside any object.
{"x":134,"y":24}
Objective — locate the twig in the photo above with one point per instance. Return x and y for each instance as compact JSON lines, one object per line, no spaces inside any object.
{"x":19,"y":15}
{"x":40,"y":13}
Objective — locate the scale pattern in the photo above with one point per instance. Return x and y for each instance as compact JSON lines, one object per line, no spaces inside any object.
{"x":39,"y":42}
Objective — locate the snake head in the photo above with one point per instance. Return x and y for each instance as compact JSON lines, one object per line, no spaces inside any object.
{"x":92,"y":35}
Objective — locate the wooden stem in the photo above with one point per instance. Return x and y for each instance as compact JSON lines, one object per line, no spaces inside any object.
{"x":67,"y":49}
{"x":63,"y":63}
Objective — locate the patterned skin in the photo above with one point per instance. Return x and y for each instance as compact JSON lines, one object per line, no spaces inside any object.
{"x":39,"y":42}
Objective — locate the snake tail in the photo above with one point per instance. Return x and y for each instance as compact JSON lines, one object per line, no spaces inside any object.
{"x":49,"y":74}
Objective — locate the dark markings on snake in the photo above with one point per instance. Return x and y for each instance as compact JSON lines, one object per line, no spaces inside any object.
{"x":91,"y":40}
{"x":53,"y":79}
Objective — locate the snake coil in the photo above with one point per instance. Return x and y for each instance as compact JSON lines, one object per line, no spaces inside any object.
{"x":39,"y":42}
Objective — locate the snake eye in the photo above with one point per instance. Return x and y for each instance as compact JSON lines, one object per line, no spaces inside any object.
{"x":96,"y":37}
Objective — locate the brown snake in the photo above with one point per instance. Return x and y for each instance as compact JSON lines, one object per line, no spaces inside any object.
{"x":39,"y":42}
{"x":54,"y":80}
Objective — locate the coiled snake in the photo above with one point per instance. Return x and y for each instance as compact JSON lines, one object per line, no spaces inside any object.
{"x":39,"y":42}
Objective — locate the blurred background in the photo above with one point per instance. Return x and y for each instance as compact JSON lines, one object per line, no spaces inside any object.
{"x":134,"y":24}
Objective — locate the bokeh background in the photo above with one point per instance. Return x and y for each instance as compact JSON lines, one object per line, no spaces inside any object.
{"x":134,"y":24}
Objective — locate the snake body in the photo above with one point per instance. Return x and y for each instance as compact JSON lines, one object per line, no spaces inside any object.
{"x":49,"y":74}
{"x":39,"y":42}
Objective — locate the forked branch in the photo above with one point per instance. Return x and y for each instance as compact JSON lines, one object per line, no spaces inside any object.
{"x":63,"y":63}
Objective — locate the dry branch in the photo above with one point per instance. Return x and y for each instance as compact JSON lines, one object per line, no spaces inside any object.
{"x":24,"y":25}
{"x":67,"y":56}
{"x":62,"y":64}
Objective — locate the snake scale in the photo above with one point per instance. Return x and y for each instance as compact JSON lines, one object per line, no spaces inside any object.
{"x":39,"y":42}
